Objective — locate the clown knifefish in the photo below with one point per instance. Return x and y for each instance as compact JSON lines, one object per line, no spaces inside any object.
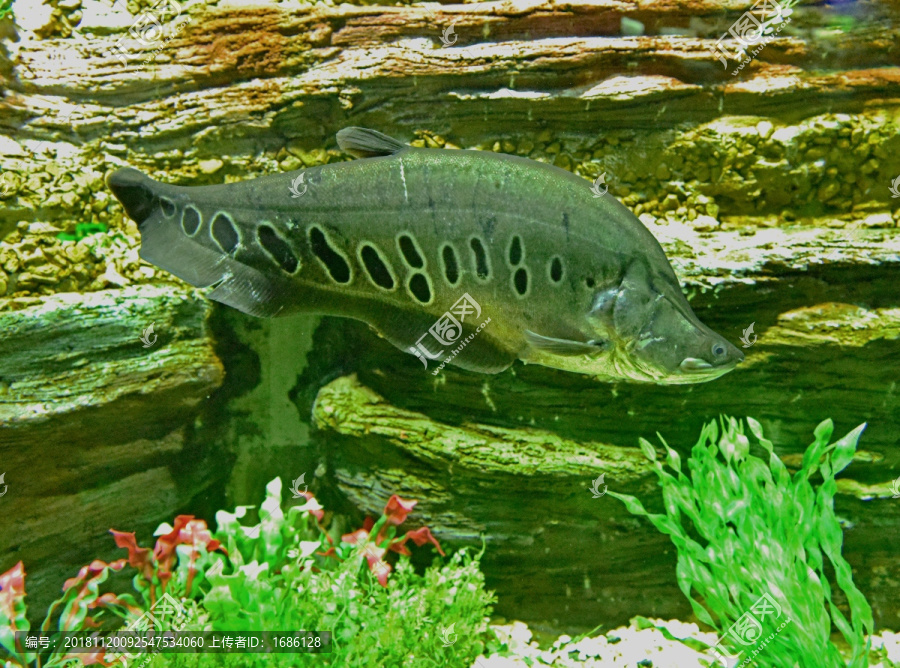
{"x":404,"y":238}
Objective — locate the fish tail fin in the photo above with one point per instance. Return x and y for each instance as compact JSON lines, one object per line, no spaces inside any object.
{"x":134,"y":191}
{"x":191,"y":247}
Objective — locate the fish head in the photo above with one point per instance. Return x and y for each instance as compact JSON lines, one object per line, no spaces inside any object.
{"x":675,"y":348}
{"x":657,"y":336}
{"x":639,"y":329}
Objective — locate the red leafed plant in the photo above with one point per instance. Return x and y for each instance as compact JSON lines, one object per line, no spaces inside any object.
{"x":180,"y":562}
{"x":385,"y":532}
{"x":155,"y":568}
{"x":82,"y":600}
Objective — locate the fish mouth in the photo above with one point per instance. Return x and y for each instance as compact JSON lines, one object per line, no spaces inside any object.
{"x":703,"y":370}
{"x":696,"y":365}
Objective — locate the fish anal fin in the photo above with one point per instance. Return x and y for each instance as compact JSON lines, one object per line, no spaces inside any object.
{"x":474,"y":350}
{"x":233,"y":283}
{"x":365,"y":143}
{"x":482,"y":356}
{"x":251,"y":292}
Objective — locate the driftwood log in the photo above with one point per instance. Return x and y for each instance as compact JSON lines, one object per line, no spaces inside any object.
{"x":92,"y":424}
{"x":768,"y":189}
{"x":512,"y":457}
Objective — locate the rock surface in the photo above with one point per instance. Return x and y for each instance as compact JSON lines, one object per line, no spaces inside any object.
{"x":513,"y":457}
{"x":92,"y":424}
{"x":769,"y":188}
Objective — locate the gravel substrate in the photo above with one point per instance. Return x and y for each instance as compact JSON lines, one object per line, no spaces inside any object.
{"x":632,"y":647}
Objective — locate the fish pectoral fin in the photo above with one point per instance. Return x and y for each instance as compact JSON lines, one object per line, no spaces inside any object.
{"x":565,"y":347}
{"x":365,"y":143}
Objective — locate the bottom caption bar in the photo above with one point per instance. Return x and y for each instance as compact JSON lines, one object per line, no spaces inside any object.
{"x":131,"y":643}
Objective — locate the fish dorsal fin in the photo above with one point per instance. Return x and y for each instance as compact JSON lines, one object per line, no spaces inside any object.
{"x":564,"y":347}
{"x":364,"y":143}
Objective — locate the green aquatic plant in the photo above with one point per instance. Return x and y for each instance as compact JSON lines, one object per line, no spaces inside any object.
{"x":83,"y":230}
{"x":286,"y":573}
{"x":751,"y":542}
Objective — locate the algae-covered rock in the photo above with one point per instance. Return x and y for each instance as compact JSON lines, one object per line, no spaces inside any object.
{"x":58,"y":356}
{"x":352,"y":409}
{"x":768,"y":189}
{"x":96,"y":390}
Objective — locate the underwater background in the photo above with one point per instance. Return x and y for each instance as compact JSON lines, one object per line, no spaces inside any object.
{"x":128,"y":399}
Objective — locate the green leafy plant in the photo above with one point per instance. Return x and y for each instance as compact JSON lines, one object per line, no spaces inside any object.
{"x":82,"y":230}
{"x":744,"y":527}
{"x":286,"y":573}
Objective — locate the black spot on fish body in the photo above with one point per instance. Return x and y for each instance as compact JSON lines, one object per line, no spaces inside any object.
{"x":451,"y":265}
{"x":277,"y":248}
{"x":410,"y":252}
{"x":520,"y":281}
{"x":418,"y":286}
{"x":566,"y":224}
{"x":224,"y":232}
{"x":334,"y":262}
{"x":556,"y":270}
{"x":190,"y":220}
{"x":167,"y":206}
{"x":376,"y":267}
{"x":515,"y":251}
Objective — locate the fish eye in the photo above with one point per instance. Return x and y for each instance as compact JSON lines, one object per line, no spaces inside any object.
{"x":718,"y":350}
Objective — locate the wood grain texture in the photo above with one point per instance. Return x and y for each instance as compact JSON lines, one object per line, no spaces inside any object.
{"x":798,"y":234}
{"x":92,"y":424}
{"x":556,"y":554}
